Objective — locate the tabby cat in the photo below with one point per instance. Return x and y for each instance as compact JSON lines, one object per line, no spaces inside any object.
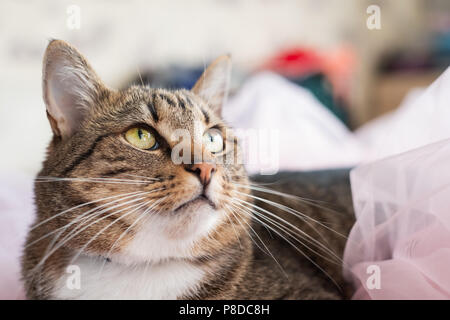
{"x":117,"y":211}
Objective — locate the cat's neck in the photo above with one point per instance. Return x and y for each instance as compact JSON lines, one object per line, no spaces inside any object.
{"x":100,"y":279}
{"x":204,"y":277}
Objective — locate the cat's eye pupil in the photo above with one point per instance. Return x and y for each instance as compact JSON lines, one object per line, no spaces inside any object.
{"x":213,"y":140}
{"x":141,"y":138}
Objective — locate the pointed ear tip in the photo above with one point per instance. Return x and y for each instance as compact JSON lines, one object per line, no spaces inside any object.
{"x":224,"y":61}
{"x":56,"y":43}
{"x":53,"y":41}
{"x":225,"y":58}
{"x":57,"y":47}
{"x":54,"y":48}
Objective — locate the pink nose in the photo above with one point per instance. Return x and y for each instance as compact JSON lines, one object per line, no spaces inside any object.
{"x":204,"y":171}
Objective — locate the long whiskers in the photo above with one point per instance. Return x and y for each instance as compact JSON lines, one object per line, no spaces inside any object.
{"x":143,"y":215}
{"x":78,"y":230}
{"x":294,"y":233}
{"x":114,"y":222}
{"x":292,"y":211}
{"x":142,"y":177}
{"x":84,"y":221}
{"x":234,"y":228}
{"x":97,"y":180}
{"x":284,"y":228}
{"x":312,"y":202}
{"x":307,"y":219}
{"x":259,"y":238}
{"x":53,"y":246}
{"x":80,"y":206}
{"x":80,"y":217}
{"x":295,"y":247}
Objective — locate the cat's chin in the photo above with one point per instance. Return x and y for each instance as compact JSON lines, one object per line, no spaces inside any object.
{"x":172,"y":235}
{"x":195,"y":204}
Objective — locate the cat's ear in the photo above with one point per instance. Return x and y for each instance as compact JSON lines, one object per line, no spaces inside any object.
{"x":214,"y":83}
{"x":70,"y":87}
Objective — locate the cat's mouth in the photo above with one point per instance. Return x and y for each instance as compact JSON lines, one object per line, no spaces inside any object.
{"x":201,"y":199}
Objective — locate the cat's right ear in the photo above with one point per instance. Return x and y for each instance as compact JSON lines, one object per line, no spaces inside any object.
{"x":70,"y":87}
{"x":214,"y":83}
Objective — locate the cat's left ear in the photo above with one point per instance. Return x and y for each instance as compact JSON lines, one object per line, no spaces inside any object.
{"x":70,"y":87}
{"x":214,"y":83}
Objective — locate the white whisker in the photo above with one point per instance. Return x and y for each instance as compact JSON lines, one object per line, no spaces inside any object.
{"x":108,"y":226}
{"x":80,"y":206}
{"x":75,"y":232}
{"x":304,"y":255}
{"x":308,"y":201}
{"x":144,"y":214}
{"x":293,"y":212}
{"x":265,"y":246}
{"x":293,"y":235}
{"x":52,"y":247}
{"x":311,"y":239}
{"x":93,"y":180}
{"x":61,"y":229}
{"x":137,"y":176}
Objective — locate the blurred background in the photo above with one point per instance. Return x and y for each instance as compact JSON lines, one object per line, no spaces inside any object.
{"x":338,"y":83}
{"x":358,"y":58}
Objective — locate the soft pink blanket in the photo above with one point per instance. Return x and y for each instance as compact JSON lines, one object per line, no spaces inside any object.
{"x":16,"y":214}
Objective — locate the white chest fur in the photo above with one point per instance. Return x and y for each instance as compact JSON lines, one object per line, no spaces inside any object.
{"x":165,"y":239}
{"x":168,"y":280}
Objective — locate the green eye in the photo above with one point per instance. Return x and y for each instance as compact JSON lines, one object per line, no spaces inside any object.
{"x":141,"y":138}
{"x":213,"y":141}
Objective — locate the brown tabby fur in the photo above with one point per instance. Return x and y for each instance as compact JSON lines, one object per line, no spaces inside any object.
{"x":96,"y":148}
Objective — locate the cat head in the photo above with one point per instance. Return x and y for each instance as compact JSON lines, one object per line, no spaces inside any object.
{"x":140,"y":174}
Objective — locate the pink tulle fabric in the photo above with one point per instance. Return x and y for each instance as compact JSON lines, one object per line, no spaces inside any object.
{"x":403,"y":226}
